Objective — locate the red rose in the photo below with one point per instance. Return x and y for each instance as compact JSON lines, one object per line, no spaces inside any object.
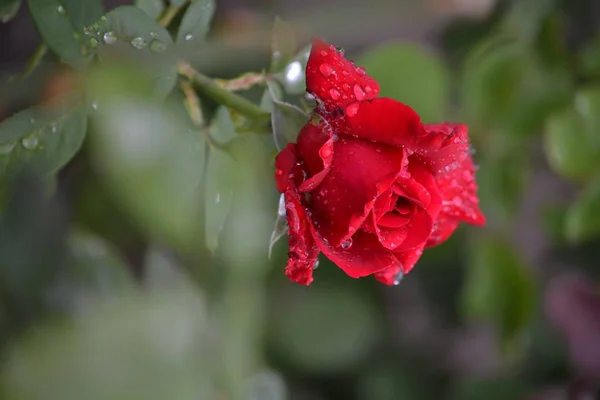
{"x":367,"y":183}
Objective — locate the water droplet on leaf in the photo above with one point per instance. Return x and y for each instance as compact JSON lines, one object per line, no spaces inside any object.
{"x":61,"y":10}
{"x":157,"y":46}
{"x":110,"y":38}
{"x":30,"y":142}
{"x":138,"y":42}
{"x":153,"y":35}
{"x":188,"y":37}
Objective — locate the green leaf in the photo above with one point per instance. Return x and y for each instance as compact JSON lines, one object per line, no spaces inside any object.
{"x":411,"y":75}
{"x":283,"y":45}
{"x":130,"y":32}
{"x":589,"y":58}
{"x":286,"y":119}
{"x":583,"y":219}
{"x":219,"y":190}
{"x":143,"y":347}
{"x":152,"y":7}
{"x":40,"y":139}
{"x":196,"y":21}
{"x":499,"y":288}
{"x":293,"y":76}
{"x":60,"y":23}
{"x":153,"y":164}
{"x":9,"y":9}
{"x":569,"y":147}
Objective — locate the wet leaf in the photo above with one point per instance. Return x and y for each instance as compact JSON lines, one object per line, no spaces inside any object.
{"x":280,"y":228}
{"x":411,"y":75}
{"x":196,"y":21}
{"x":499,"y":288}
{"x":583,"y":220}
{"x":43,"y":140}
{"x":152,"y":7}
{"x":283,"y":45}
{"x":129,"y":33}
{"x":61,"y":22}
{"x":9,"y":9}
{"x":219,"y":190}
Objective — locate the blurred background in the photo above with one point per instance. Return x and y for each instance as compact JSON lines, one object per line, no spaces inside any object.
{"x":135,"y":232}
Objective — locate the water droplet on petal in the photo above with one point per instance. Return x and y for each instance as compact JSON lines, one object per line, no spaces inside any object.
{"x":110,"y":38}
{"x":398,"y":278}
{"x":352,"y":109}
{"x":347,"y":244}
{"x":138,"y":42}
{"x":188,"y":37}
{"x":359,"y":92}
{"x":334,"y":137}
{"x":30,"y":142}
{"x":323,"y":53}
{"x":278,"y":172}
{"x":368,"y":89}
{"x":325,"y":151}
{"x":361,"y":71}
{"x":326,"y":69}
{"x":61,"y":10}
{"x":6,"y":148}
{"x":334,"y":93}
{"x":157,"y":46}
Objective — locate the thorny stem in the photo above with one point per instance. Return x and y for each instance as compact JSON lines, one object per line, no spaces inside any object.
{"x":221,"y":95}
{"x":243,"y":82}
{"x":167,"y":16}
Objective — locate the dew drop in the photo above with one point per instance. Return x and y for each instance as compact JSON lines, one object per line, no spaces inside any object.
{"x":398,"y":278}
{"x":278,"y":172}
{"x":6,"y":148}
{"x":325,"y":152}
{"x":94,"y":43}
{"x":352,"y":109}
{"x":359,"y":92}
{"x":54,"y":129}
{"x":340,"y":50}
{"x":95,"y":105}
{"x":323,"y":53}
{"x":218,"y":198}
{"x":368,"y":89}
{"x":110,"y":38}
{"x":153,"y":35}
{"x":188,"y":37}
{"x":326,"y":69}
{"x":347,"y":244}
{"x":361,"y":71}
{"x":30,"y":142}
{"x":316,"y":264}
{"x":138,"y":42}
{"x":61,"y":10}
{"x":334,"y":93}
{"x":157,"y":46}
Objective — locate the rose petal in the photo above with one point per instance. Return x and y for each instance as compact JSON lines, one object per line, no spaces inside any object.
{"x":359,"y":173}
{"x":364,"y":256}
{"x":445,"y":147}
{"x":285,"y":162}
{"x":443,"y":228}
{"x":393,"y":220}
{"x":335,"y":81}
{"x":382,"y":120}
{"x":405,"y":262}
{"x":303,"y":251}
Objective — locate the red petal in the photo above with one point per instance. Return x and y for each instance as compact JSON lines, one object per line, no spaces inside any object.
{"x":335,"y":81}
{"x":442,"y":230}
{"x":363,"y":256}
{"x":284,"y":164}
{"x":384,"y":121}
{"x":445,"y":147}
{"x":405,"y":262}
{"x":302,"y":252}
{"x":359,"y":173}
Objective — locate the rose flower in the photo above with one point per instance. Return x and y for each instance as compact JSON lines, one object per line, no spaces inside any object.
{"x":367,"y":183}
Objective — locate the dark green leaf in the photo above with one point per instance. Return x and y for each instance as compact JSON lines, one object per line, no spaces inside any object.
{"x":152,"y":7}
{"x":196,"y":21}
{"x":583,"y":219}
{"x":9,"y":9}
{"x":60,"y":23}
{"x":219,"y":190}
{"x":283,"y":45}
{"x":499,"y":288}
{"x":411,"y":75}
{"x":130,"y":32}
{"x":589,"y":58}
{"x":40,"y":139}
{"x":153,"y":164}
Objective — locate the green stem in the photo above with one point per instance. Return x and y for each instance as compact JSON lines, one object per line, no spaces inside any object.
{"x":221,"y":95}
{"x":167,"y":16}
